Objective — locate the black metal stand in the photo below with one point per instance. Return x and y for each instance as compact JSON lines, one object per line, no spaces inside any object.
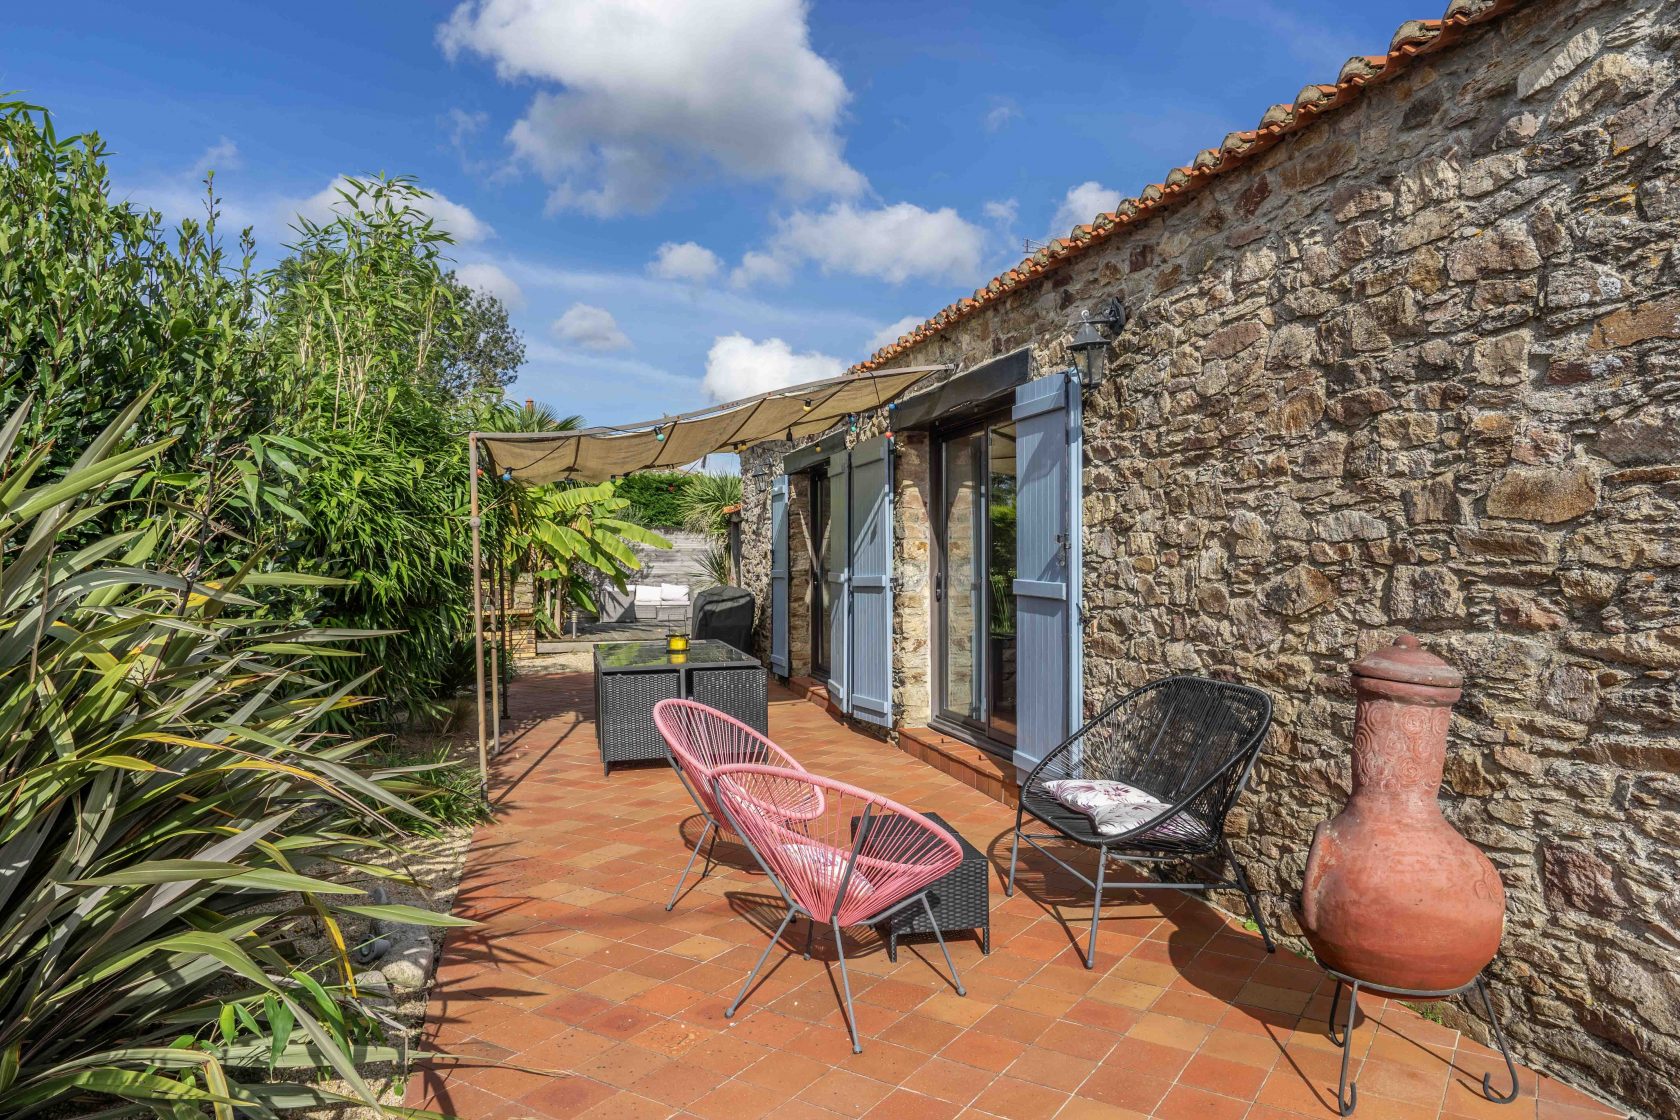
{"x":1347,"y":1094}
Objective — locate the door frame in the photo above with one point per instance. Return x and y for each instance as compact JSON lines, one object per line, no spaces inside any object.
{"x":940,"y":717}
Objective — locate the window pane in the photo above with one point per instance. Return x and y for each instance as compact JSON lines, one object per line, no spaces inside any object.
{"x":819,"y":578}
{"x":961,"y":533}
{"x":1000,"y":516}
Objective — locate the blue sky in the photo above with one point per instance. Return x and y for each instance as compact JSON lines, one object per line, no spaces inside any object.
{"x":685,"y":200}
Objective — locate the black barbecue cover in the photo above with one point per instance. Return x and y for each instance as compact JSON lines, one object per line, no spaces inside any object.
{"x":725,"y":614}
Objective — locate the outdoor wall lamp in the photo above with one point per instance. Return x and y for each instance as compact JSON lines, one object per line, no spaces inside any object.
{"x":1090,"y":345}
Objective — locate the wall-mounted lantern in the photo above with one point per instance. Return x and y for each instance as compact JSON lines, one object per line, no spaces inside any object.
{"x":1090,"y":345}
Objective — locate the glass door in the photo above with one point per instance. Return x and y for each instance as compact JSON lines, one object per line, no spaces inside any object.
{"x":820,"y":527}
{"x":975,"y":581}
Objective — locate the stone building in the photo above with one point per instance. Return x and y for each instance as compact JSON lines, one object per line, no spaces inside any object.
{"x":1406,"y":356}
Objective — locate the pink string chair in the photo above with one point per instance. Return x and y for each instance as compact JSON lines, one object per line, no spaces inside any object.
{"x":837,"y":854}
{"x":701,"y":739}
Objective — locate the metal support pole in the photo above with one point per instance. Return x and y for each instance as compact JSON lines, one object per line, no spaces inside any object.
{"x":496,"y":655}
{"x":477,"y":612}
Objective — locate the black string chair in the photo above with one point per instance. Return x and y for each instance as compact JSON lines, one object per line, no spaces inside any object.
{"x":1189,"y":744}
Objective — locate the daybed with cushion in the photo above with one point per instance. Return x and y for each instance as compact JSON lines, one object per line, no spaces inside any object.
{"x":1151,"y":779}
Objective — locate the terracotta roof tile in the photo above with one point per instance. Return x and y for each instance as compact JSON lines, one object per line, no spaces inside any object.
{"x":1412,"y":38}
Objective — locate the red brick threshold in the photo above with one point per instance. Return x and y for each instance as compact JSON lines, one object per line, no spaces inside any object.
{"x":967,"y":763}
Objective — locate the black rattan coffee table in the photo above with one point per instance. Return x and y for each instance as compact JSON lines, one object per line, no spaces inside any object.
{"x":961,"y":899}
{"x":631,"y":677}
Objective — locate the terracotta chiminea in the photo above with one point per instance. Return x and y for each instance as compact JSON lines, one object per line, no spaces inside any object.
{"x":1394,"y":896}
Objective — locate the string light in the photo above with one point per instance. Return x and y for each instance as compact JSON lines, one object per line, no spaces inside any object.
{"x":806,"y":405}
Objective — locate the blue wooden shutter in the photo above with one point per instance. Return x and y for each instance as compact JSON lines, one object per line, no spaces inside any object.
{"x":838,"y":572}
{"x":779,"y":576}
{"x":1046,"y":584}
{"x":870,"y":527}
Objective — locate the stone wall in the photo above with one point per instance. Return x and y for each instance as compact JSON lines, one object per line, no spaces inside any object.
{"x":1416,"y":368}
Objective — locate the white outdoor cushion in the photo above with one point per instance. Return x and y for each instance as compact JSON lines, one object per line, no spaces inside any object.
{"x":1115,"y":807}
{"x":673,"y":593}
{"x":647,"y":594}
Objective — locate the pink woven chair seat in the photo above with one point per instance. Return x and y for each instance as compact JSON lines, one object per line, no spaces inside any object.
{"x":807,"y":829}
{"x":702,"y":739}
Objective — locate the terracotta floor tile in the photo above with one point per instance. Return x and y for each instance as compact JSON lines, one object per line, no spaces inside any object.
{"x":579,"y":972}
{"x":679,"y":1083}
{"x":1255,"y":1050}
{"x":1216,"y":1074}
{"x":567,"y":1096}
{"x":1183,"y":1034}
{"x":1014,"y":1024}
{"x":1019,"y":1100}
{"x":626,"y":1106}
{"x":1125,"y":1088}
{"x":784,"y":1073}
{"x":846,"y":1093}
{"x":902,"y":1104}
{"x":1185,"y":1103}
{"x":1051,"y":1068}
{"x":1079,"y":1108}
{"x":984,"y":1051}
{"x":736,"y":1100}
{"x":948,"y":1081}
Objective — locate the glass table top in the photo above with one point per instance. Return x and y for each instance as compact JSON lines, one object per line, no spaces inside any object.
{"x":654,"y":655}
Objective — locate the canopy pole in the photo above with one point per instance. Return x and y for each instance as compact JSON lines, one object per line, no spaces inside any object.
{"x":477,"y":612}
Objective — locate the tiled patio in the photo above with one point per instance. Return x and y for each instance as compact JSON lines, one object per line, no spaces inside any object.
{"x":578,"y":970}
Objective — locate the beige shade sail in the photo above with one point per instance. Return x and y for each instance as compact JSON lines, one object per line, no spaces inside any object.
{"x":672,"y":442}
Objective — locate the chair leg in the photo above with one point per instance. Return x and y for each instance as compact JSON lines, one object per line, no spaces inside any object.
{"x":689,"y":866}
{"x":934,"y":925}
{"x":1014,"y":854}
{"x":1096,"y":908}
{"x":846,"y":987}
{"x":810,"y":932}
{"x":729,"y":1012}
{"x":1253,"y":902}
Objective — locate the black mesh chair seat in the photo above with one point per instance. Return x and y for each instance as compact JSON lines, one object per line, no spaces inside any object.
{"x":1189,"y":744}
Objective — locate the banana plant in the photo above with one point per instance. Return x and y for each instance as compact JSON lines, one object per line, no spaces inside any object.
{"x":563,"y":533}
{"x":172,"y":812}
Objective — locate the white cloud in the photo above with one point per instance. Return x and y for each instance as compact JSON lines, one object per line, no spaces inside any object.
{"x":736,"y":367}
{"x":1081,"y":205}
{"x":651,"y":92}
{"x":1003,"y":111}
{"x":892,"y":332}
{"x":592,"y":328}
{"x":487,"y":277}
{"x":1001,"y":211}
{"x":461,"y":223}
{"x":685,"y":261}
{"x":893,"y":243}
{"x":221,"y":156}
{"x":759,"y":267}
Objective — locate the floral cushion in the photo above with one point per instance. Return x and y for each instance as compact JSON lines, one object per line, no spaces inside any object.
{"x":826,"y":867}
{"x":1116,"y":808}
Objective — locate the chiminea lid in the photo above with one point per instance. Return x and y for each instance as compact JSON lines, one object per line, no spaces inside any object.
{"x":1407,"y":662}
